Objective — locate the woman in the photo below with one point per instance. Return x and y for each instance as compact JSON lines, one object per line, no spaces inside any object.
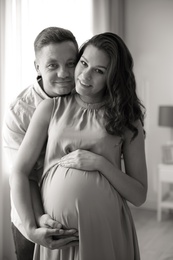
{"x":83,"y":185}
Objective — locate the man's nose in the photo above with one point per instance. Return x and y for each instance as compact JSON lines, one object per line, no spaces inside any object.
{"x":62,"y":72}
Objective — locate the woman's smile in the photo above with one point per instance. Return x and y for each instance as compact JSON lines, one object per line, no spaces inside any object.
{"x":91,"y":73}
{"x":84,"y":84}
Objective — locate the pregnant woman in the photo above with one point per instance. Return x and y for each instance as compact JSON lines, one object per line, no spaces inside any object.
{"x":83,"y":185}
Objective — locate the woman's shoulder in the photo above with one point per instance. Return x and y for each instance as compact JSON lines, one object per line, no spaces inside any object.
{"x":46,"y":104}
{"x":64,"y":98}
{"x":44,"y":110}
{"x":60,"y":104}
{"x":129,"y":134}
{"x":56,"y":102}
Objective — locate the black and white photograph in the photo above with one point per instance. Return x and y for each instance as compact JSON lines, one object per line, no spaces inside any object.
{"x":86,"y":123}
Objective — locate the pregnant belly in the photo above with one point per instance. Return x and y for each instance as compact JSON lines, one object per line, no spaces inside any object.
{"x":69,"y":195}
{"x":87,"y":202}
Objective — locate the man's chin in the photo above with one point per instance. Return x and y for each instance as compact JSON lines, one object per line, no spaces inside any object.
{"x":64,"y":92}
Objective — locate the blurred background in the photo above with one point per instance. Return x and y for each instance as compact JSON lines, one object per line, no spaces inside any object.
{"x":146,"y":26}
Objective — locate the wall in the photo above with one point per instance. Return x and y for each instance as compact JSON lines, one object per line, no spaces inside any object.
{"x":148,"y":32}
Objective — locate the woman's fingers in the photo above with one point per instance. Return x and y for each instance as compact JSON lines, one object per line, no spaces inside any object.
{"x":47,"y":221}
{"x":80,"y":159}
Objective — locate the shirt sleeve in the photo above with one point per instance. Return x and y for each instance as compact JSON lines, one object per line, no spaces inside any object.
{"x":13,"y":134}
{"x":14,"y":129}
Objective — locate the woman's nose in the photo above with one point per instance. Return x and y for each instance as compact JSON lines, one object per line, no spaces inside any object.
{"x":87,"y":74}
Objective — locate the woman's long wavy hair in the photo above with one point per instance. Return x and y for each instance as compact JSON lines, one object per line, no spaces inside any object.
{"x":122,"y":107}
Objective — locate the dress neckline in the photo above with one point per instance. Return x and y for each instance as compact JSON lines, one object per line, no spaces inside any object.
{"x":89,"y":105}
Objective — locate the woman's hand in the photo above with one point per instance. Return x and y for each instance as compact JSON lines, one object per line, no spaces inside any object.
{"x":62,"y":238}
{"x":52,"y":238}
{"x":47,"y":222}
{"x":82,"y":160}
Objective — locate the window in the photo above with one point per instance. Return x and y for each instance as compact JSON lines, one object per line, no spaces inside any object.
{"x":20,"y":22}
{"x":24,"y":20}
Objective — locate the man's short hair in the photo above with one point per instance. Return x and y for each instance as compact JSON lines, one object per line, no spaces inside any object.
{"x":53,"y":35}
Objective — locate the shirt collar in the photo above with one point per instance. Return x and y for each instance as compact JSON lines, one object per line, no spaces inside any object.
{"x":39,"y":89}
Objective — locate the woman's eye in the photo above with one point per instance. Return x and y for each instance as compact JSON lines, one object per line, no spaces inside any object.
{"x":99,"y":71}
{"x":83,"y":63}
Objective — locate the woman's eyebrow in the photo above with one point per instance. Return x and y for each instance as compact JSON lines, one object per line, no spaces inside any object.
{"x":98,"y":66}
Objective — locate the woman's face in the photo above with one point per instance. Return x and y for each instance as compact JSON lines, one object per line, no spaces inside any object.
{"x":91,"y":74}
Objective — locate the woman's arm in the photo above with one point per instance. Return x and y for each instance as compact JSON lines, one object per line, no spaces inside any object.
{"x":132,"y":185}
{"x":26,"y":158}
{"x":67,"y":237}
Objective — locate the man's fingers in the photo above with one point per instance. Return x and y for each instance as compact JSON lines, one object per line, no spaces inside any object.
{"x":70,"y":244}
{"x":54,"y":232}
{"x":73,"y":243}
{"x":60,"y":233}
{"x":71,"y":232}
{"x":64,"y":242}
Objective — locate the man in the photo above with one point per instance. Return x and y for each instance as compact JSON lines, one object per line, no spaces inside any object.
{"x":56,"y":52}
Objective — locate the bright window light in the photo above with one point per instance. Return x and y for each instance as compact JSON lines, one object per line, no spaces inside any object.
{"x":24,"y":20}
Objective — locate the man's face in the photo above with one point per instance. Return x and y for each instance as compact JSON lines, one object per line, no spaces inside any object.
{"x":55,"y":63}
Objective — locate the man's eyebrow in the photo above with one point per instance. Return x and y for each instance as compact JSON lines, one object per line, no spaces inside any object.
{"x":55,"y":60}
{"x":98,"y":66}
{"x":51,"y":60}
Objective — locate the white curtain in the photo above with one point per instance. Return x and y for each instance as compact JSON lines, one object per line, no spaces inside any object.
{"x":108,"y":16}
{"x":2,"y":17}
{"x":21,"y":21}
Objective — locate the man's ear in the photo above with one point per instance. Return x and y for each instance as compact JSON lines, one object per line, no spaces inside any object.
{"x":37,"y":68}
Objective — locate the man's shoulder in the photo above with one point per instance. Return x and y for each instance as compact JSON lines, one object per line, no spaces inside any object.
{"x":20,"y":111}
{"x":28,"y":98}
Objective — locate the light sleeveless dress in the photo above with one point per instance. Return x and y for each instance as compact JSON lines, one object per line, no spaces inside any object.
{"x":85,"y":200}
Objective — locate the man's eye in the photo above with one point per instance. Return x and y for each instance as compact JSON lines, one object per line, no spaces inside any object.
{"x":71,"y":64}
{"x":52,"y":66}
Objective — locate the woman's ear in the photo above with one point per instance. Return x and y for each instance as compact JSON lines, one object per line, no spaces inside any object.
{"x":37,"y":68}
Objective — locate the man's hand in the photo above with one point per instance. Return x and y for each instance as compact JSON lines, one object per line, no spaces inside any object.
{"x":52,"y":235}
{"x":47,"y":222}
{"x":48,"y":237}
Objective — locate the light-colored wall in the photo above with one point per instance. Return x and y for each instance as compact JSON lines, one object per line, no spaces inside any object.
{"x":149,"y":36}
